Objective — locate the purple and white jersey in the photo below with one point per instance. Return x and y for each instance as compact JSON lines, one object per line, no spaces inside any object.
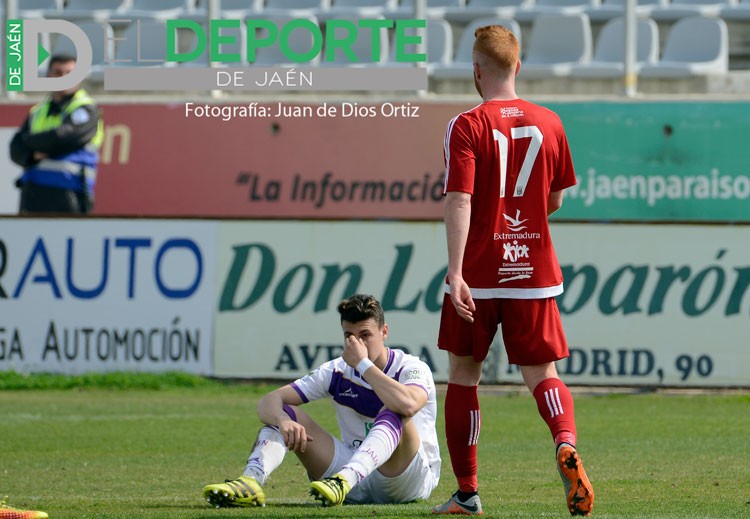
{"x":357,"y":405}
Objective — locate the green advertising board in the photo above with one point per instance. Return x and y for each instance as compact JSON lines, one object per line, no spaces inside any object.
{"x":662,"y":161}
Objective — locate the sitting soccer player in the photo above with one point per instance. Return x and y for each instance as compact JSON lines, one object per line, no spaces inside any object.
{"x":385,"y":407}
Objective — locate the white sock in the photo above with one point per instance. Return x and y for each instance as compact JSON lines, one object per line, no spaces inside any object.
{"x":376,"y":449}
{"x":267,"y":454}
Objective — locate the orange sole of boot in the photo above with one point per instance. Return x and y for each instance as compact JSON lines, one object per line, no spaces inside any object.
{"x":581,"y":495}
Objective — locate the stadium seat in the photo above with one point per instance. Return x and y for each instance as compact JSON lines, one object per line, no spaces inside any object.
{"x":362,"y":46}
{"x":300,"y":41}
{"x":695,"y":46}
{"x":359,"y":9}
{"x":558,"y":43}
{"x":235,"y":9}
{"x":528,"y":13}
{"x":609,"y":50}
{"x":299,"y":8}
{"x":439,"y":40}
{"x":486,"y":9}
{"x":609,"y":9}
{"x":677,"y":9}
{"x":435,"y":8}
{"x":101,"y":36}
{"x":161,"y":9}
{"x":461,"y":66}
{"x":39,"y":8}
{"x":738,"y":11}
{"x":100,"y":10}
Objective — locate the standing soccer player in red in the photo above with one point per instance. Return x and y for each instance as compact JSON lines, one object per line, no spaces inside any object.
{"x":507,"y":164}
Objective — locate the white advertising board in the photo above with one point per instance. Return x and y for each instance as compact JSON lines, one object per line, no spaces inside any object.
{"x":279,"y":284}
{"x":644,"y":304}
{"x":656,"y":304}
{"x":80,"y":295}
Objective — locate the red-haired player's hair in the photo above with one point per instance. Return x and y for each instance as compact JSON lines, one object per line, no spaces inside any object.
{"x":499,"y":44}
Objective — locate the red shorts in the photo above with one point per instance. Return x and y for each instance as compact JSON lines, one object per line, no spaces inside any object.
{"x":532,"y":330}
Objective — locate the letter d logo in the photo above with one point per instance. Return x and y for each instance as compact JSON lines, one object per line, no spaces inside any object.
{"x":31,"y":31}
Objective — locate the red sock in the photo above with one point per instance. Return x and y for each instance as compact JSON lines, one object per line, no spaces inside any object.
{"x":462,"y":423}
{"x":555,"y":404}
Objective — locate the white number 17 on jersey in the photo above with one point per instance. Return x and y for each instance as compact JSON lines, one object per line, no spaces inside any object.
{"x":523,"y":132}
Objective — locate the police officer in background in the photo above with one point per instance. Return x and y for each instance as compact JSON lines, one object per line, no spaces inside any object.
{"x":57,"y":146}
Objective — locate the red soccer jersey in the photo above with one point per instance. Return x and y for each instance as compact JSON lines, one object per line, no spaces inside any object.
{"x":509,"y":155}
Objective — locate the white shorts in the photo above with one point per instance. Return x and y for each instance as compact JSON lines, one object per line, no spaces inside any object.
{"x":416,"y":482}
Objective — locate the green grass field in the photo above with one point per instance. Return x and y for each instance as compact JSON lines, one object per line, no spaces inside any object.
{"x":97,"y":452}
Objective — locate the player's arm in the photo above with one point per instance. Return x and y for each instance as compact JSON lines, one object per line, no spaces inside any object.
{"x":73,"y":133}
{"x":554,"y":201}
{"x":399,"y":398}
{"x":271,"y":412}
{"x":403,"y":399}
{"x":460,"y":165}
{"x":20,"y":153}
{"x":457,"y":216}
